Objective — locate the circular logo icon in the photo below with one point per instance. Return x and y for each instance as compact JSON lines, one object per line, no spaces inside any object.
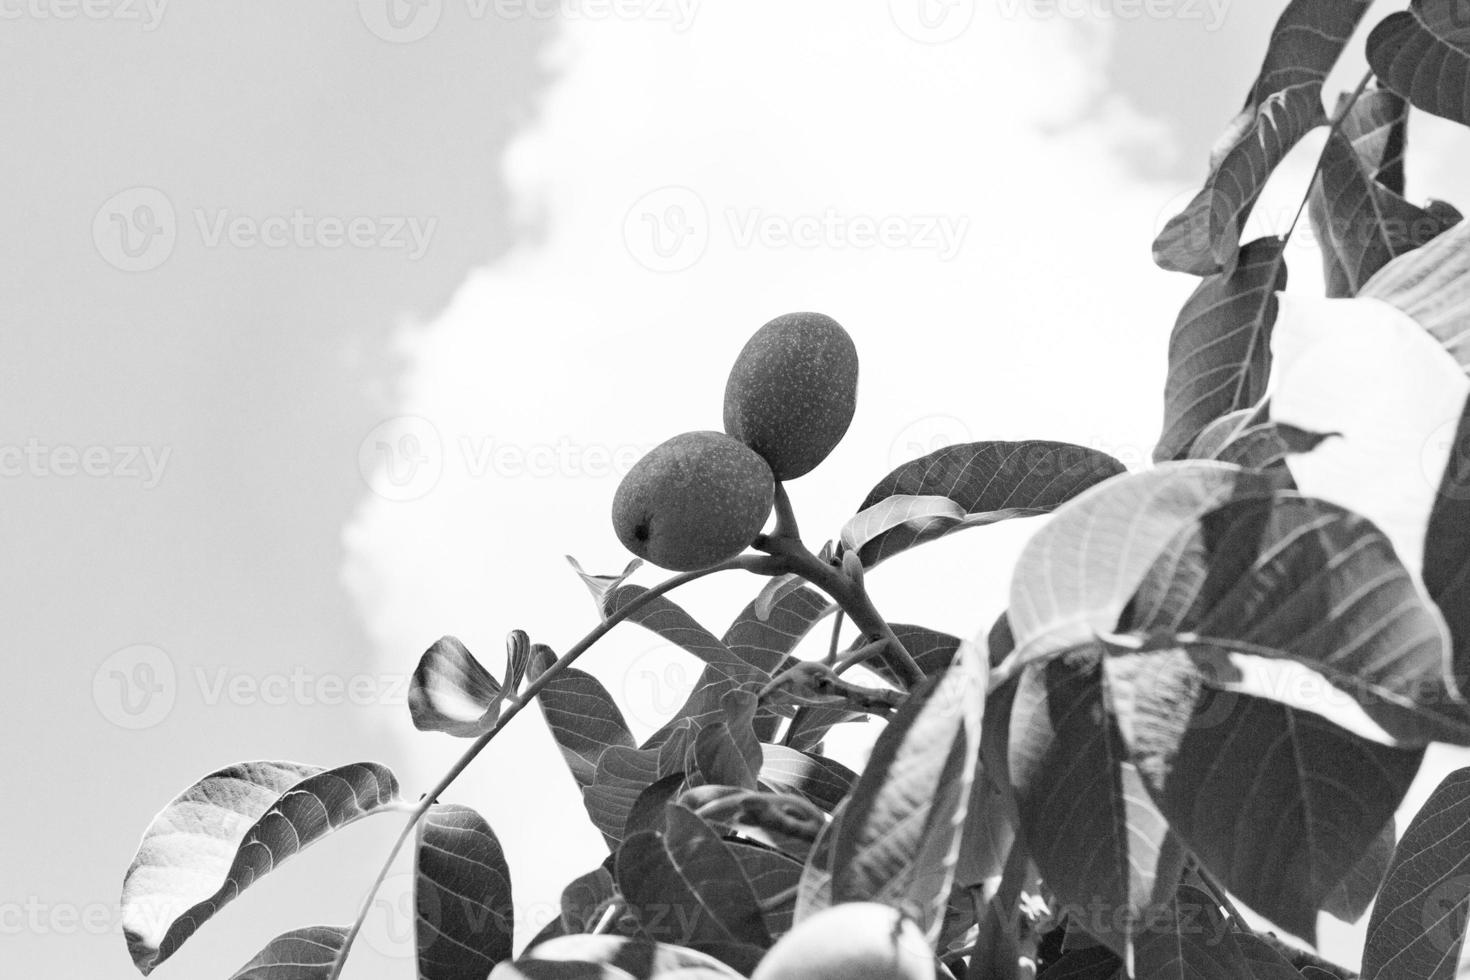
{"x":655,"y":686}
{"x":667,"y":230}
{"x":932,"y":21}
{"x":1447,"y":450}
{"x":1443,"y":927}
{"x":402,"y":458}
{"x":136,"y":229}
{"x":923,"y":436}
{"x":401,"y":21}
{"x":135,"y":687}
{"x":391,"y":924}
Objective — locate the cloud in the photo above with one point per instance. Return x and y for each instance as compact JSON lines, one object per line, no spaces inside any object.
{"x":959,"y":206}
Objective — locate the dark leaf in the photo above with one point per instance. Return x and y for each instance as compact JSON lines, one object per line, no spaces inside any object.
{"x":228,"y":830}
{"x":932,"y":650}
{"x":621,"y":776}
{"x":1220,"y":351}
{"x":1432,"y":286}
{"x":687,"y":888}
{"x":1222,"y":767}
{"x":1417,"y":929}
{"x":1423,"y":54}
{"x":896,"y":840}
{"x":771,"y":875}
{"x":1077,"y":574}
{"x":817,"y":778}
{"x":1285,"y":103}
{"x":464,"y":917}
{"x":1089,"y":822}
{"x":452,"y":692}
{"x":1355,"y":893}
{"x":584,"y":720}
{"x":767,"y":643}
{"x":301,"y":954}
{"x":1263,"y":445}
{"x":724,"y":671}
{"x":1288,"y":578}
{"x":584,"y":899}
{"x":985,"y":482}
{"x":1360,"y":216}
{"x":1190,"y":940}
{"x":1447,"y":549}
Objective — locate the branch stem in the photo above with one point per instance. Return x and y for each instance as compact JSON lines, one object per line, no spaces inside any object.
{"x":527,"y":696}
{"x":1334,"y":128}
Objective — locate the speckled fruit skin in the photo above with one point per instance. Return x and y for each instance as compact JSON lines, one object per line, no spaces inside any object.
{"x":851,"y":941}
{"x":693,"y":501}
{"x":792,"y":391}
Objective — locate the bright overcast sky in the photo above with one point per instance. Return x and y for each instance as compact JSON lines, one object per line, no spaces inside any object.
{"x":372,"y":446}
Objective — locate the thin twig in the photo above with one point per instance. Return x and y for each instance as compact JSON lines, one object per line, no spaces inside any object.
{"x":836,"y":637}
{"x":1333,"y":130}
{"x":527,"y":696}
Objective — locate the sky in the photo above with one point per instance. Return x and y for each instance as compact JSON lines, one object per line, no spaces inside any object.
{"x":359,"y":315}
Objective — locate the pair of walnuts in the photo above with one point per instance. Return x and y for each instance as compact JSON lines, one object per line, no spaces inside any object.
{"x":702,"y":497}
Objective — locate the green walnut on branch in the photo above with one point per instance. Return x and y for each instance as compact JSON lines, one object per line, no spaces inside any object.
{"x":792,"y":392}
{"x":693,"y":501}
{"x":701,"y":498}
